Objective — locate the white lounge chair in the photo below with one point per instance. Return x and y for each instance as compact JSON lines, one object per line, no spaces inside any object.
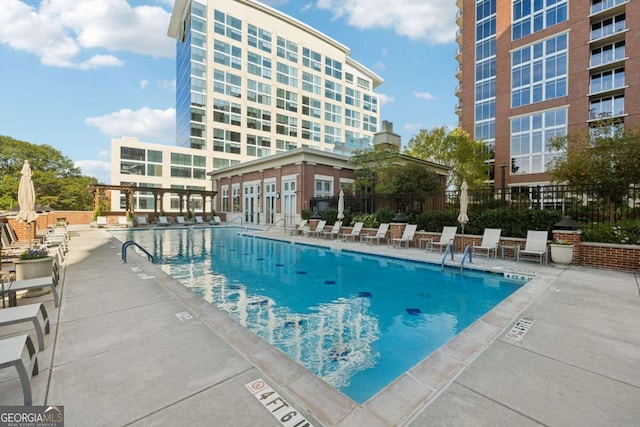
{"x":163,"y":221}
{"x":300,"y":228}
{"x":381,"y":234}
{"x":319,"y":228}
{"x":536,"y":245}
{"x":447,"y":236}
{"x":335,"y":230}
{"x":141,"y":221}
{"x":101,"y":221}
{"x":199,"y":220}
{"x":216,"y":220}
{"x":122,"y":221}
{"x":355,"y":232}
{"x":490,"y":242}
{"x":407,"y":236}
{"x":180,"y":220}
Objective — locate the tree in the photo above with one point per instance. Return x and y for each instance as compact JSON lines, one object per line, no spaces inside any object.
{"x":606,"y":158}
{"x":455,"y":149}
{"x":58,"y":183}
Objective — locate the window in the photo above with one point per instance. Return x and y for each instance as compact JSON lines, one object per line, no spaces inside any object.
{"x":530,"y":140}
{"x":332,"y":113}
{"x":311,"y":130}
{"x":370,"y":103}
{"x":225,"y":199}
{"x":130,"y":168}
{"x":226,"y":112}
{"x":287,"y":49}
{"x":600,"y":5}
{"x":220,"y":163}
{"x":608,"y":27}
{"x":227,"y":83}
{"x":258,"y":119}
{"x":608,"y":53}
{"x":259,"y":38}
{"x":352,"y":118}
{"x":539,"y":71}
{"x":364,"y":83}
{"x":259,"y":92}
{"x":333,"y":68}
{"x":532,"y":16}
{"x":287,"y":75}
{"x":311,"y":107}
{"x":323,"y":187}
{"x":332,"y":135}
{"x":286,"y":125}
{"x":226,"y":141}
{"x":352,"y":140}
{"x":258,"y":146}
{"x":227,"y":25}
{"x":282,"y":145}
{"x":352,"y":97}
{"x":311,"y":83}
{"x":370,"y":123}
{"x":607,"y":80}
{"x":236,"y":198}
{"x":287,"y":100}
{"x":259,"y":65}
{"x":311,"y":59}
{"x":226,"y":54}
{"x":607,"y":107}
{"x":154,"y":170}
{"x":127,"y":153}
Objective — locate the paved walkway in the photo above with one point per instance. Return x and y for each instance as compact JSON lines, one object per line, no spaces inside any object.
{"x":131,"y":346}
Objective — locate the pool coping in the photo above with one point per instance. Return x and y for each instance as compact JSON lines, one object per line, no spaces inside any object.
{"x":404,"y":398}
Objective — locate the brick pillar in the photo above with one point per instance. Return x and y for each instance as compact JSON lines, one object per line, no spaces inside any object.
{"x":573,"y":237}
{"x":396,"y":229}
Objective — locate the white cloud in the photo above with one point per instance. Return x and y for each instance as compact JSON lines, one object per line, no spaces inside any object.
{"x":424,"y":95}
{"x":412,"y":127}
{"x":76,"y":33}
{"x":95,"y":168}
{"x":147,"y":124}
{"x":144,"y":84}
{"x":167,"y":84}
{"x":379,"y":66}
{"x":432,"y":21}
{"x":386,"y":99}
{"x":307,"y":7}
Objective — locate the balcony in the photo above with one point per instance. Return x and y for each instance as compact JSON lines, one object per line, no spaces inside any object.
{"x":607,"y":7}
{"x":459,"y":90}
{"x":459,"y":18}
{"x":459,"y":36}
{"x":459,"y":73}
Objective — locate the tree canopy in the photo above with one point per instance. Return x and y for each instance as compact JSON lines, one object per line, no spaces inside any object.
{"x":58,"y":183}
{"x":466,"y":157}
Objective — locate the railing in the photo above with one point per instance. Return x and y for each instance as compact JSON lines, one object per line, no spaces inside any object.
{"x":447,"y":251}
{"x":235,"y":219}
{"x":467,"y":251}
{"x":128,"y":243}
{"x":276,"y":223}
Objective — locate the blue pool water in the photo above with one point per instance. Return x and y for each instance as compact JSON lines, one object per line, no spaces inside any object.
{"x":355,"y":320}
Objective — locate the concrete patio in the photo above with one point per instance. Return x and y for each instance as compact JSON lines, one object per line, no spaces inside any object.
{"x":131,"y":346}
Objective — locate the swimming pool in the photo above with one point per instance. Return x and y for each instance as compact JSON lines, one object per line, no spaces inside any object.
{"x":357,"y":321}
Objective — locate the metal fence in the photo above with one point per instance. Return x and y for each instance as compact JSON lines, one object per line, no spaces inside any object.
{"x":589,"y":205}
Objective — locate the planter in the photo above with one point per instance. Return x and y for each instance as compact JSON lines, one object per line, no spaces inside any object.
{"x":34,"y":268}
{"x":561,"y":255}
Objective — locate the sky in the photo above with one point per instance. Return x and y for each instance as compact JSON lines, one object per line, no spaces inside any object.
{"x":75,"y":74}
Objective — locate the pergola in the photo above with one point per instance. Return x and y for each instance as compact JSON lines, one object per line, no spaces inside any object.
{"x":158,"y":195}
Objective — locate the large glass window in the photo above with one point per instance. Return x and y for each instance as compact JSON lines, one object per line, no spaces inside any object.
{"x":352,"y":97}
{"x":287,"y":100}
{"x":333,"y":68}
{"x":607,"y":107}
{"x":259,"y":38}
{"x":530,"y":140}
{"x":286,"y":125}
{"x":607,"y":80}
{"x":259,"y":65}
{"x":311,"y":59}
{"x":311,"y":130}
{"x":287,"y":49}
{"x":539,"y":71}
{"x":333,"y":90}
{"x":530,"y":16}
{"x":311,"y":83}
{"x":127,"y":153}
{"x":258,"y":119}
{"x":259,"y":92}
{"x":226,"y":54}
{"x":227,"y":25}
{"x":609,"y":53}
{"x":600,"y":5}
{"x":287,"y":75}
{"x":608,"y":27}
{"x":332,"y":112}
{"x":311,"y":107}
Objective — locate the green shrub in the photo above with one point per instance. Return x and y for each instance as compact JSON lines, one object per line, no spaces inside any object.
{"x":306,"y":213}
{"x":624,"y":232}
{"x":384,"y":215}
{"x":368,"y":220}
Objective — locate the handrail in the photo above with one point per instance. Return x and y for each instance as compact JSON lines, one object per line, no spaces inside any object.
{"x":275,"y":223}
{"x":467,"y":251}
{"x":449,"y":249}
{"x":128,"y":243}
{"x":234,"y":220}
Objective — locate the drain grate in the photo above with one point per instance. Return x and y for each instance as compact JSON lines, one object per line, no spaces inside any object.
{"x":520,"y":328}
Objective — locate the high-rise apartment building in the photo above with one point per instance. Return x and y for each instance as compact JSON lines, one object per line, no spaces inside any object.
{"x":252,"y":82}
{"x":532,"y":69}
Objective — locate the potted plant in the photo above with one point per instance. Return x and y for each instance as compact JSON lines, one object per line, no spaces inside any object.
{"x":561,"y":252}
{"x":34,"y":263}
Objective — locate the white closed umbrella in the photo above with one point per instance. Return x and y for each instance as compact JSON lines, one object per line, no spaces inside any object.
{"x":341,"y":205}
{"x":26,"y":197}
{"x":463,"y":218}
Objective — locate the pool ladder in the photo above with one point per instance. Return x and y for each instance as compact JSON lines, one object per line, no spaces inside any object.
{"x":468,"y":251}
{"x":128,"y":243}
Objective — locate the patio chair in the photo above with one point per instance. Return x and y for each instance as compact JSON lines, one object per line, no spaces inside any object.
{"x":11,"y":351}
{"x":335,"y":230}
{"x":355,"y":232}
{"x":300,"y":228}
{"x":28,"y":313}
{"x":447,"y":236}
{"x":180,"y":220}
{"x":122,"y":221}
{"x":199,"y":220}
{"x":163,"y":221}
{"x":101,"y":221}
{"x":216,"y":220}
{"x":407,"y":236}
{"x":536,"y":245}
{"x":490,"y":242}
{"x":319,"y":229}
{"x":381,"y":234}
{"x":141,"y":221}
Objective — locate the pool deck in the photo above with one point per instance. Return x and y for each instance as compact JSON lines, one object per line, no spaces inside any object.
{"x":131,"y":346}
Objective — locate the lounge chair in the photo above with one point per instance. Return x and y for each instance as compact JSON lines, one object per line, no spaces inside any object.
{"x":123,"y":222}
{"x":355,"y":232}
{"x":319,"y":229}
{"x":490,"y":242}
{"x":28,"y":313}
{"x":39,"y":282}
{"x":407,"y":236}
{"x":299,"y":229}
{"x":11,"y":351}
{"x":536,"y":245}
{"x":216,"y":220}
{"x":180,"y":220}
{"x":447,"y":236}
{"x":381,"y":234}
{"x":163,"y":221}
{"x":141,"y":221}
{"x":199,"y":220}
{"x":335,"y":230}
{"x":101,"y":221}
